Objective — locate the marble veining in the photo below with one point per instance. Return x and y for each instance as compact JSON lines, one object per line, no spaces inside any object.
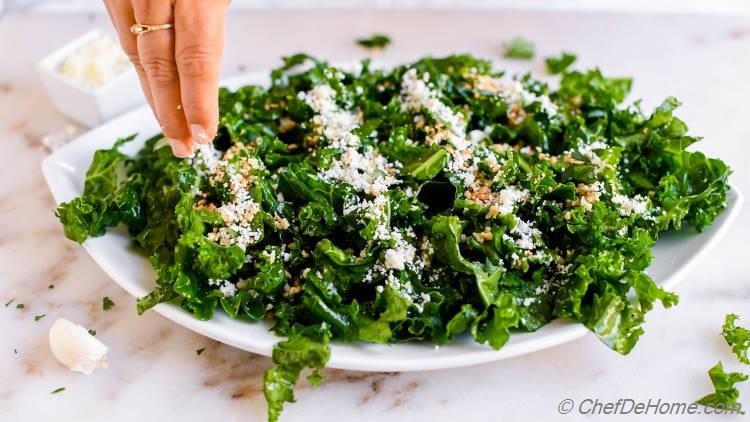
{"x":155,"y":372}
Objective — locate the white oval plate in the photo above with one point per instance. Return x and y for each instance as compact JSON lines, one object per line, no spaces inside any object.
{"x":65,"y":170}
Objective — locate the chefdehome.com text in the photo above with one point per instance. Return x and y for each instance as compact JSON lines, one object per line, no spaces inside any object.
{"x":652,"y":406}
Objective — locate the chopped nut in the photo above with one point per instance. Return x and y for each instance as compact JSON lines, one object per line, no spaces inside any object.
{"x":568,"y":159}
{"x":493,"y":212}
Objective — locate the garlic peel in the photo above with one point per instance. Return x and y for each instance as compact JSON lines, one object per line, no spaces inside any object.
{"x":74,"y":347}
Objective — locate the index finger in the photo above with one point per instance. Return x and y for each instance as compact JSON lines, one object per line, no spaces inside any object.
{"x":199,"y":41}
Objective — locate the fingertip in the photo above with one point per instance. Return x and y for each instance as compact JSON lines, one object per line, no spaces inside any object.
{"x":200,"y":134}
{"x":181,"y":149}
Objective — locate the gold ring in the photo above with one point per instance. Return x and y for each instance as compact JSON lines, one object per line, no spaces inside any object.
{"x":140,"y":28}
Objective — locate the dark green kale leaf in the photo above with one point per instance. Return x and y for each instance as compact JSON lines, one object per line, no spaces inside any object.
{"x":375,"y":41}
{"x":306,"y":348}
{"x":427,"y":166}
{"x":107,"y":199}
{"x":317,"y":218}
{"x":557,"y":65}
{"x":446,"y":235}
{"x":380,"y":330}
{"x":270,"y":277}
{"x":592,"y":92}
{"x":216,"y":261}
{"x":107,"y":303}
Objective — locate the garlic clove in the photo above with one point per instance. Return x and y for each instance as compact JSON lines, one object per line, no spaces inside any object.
{"x":75,"y":348}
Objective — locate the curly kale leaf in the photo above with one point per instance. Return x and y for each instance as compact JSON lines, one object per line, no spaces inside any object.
{"x":216,"y":261}
{"x":688,"y":186}
{"x":317,"y":218}
{"x":446,"y":234}
{"x":519,"y":48}
{"x":306,"y":348}
{"x":109,"y":196}
{"x":697,"y":192}
{"x":557,"y":65}
{"x":592,"y":92}
{"x":269,"y":278}
{"x":725,"y":391}
{"x":738,"y":338}
{"x":494,"y":324}
{"x":85,"y":217}
{"x":597,"y":293}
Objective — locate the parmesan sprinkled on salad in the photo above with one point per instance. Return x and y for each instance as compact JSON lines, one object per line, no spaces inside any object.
{"x":426,"y":202}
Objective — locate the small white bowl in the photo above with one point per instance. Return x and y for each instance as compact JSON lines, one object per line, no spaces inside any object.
{"x":90,"y":106}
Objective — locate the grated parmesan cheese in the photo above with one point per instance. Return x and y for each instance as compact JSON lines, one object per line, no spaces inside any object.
{"x":511,"y":90}
{"x":587,"y":150}
{"x":505,"y":201}
{"x":523,"y":234}
{"x":238,"y":213}
{"x":226,"y":287}
{"x":590,"y":194}
{"x":95,"y":63}
{"x":367,"y":171}
{"x":628,"y":206}
{"x":334,"y":123}
{"x":416,"y":95}
{"x":396,"y":258}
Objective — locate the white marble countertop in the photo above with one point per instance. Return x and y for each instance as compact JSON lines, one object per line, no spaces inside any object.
{"x":155,"y":373}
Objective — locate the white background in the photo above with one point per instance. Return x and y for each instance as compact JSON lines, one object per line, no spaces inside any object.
{"x":701,"y":6}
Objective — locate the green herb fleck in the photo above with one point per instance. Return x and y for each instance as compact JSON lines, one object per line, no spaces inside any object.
{"x":723,"y":382}
{"x":557,"y":65}
{"x":38,"y":317}
{"x":738,"y":338}
{"x":58,"y":390}
{"x":9,"y":302}
{"x":107,"y":303}
{"x":519,"y":48}
{"x":51,"y":286}
{"x":92,"y":332}
{"x":19,"y":306}
{"x":199,"y":351}
{"x":376,"y":41}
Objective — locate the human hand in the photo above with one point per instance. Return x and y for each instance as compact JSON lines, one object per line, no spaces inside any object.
{"x":178,"y":67}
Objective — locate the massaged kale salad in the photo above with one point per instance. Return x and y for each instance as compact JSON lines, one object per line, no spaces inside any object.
{"x":419,"y":203}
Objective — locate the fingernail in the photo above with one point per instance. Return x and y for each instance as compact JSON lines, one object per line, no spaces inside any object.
{"x":180,"y":148}
{"x":200,"y":134}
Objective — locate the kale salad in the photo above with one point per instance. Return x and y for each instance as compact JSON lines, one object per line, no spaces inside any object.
{"x":417,"y":203}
